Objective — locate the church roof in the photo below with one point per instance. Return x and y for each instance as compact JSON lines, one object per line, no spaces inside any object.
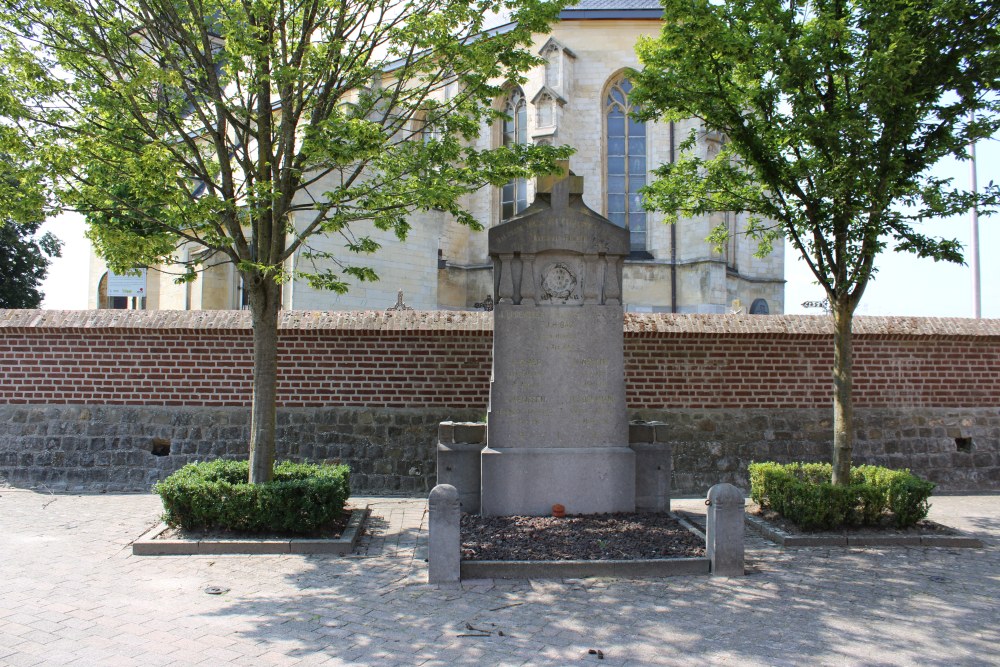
{"x":613,"y":9}
{"x":615,"y":4}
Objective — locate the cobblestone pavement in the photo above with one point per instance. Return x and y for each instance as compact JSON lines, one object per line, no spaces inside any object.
{"x":71,"y":593}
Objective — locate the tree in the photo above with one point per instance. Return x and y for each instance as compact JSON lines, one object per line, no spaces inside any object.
{"x":24,"y":256}
{"x":244,"y":129}
{"x":24,"y":262}
{"x":832,"y":113}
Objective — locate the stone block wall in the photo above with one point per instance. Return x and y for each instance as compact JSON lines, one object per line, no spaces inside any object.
{"x":130,"y":448}
{"x":957,"y":448}
{"x":87,"y":397}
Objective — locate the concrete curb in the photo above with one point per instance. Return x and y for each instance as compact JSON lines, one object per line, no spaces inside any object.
{"x":781,"y":538}
{"x":621,"y":569}
{"x":148,"y":545}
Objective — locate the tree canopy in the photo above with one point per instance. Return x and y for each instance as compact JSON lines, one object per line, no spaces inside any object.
{"x":831,"y":114}
{"x":245,"y":129}
{"x":209,"y":123}
{"x":24,"y":262}
{"x":24,"y":254}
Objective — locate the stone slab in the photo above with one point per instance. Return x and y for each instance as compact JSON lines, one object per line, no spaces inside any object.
{"x":652,"y":474}
{"x":458,"y":464}
{"x":149,"y":545}
{"x":584,"y":480}
{"x":619,"y":569}
{"x":558,"y":377}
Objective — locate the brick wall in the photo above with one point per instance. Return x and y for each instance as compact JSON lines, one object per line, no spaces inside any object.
{"x":205,"y":359}
{"x":93,"y":399}
{"x":442,"y":359}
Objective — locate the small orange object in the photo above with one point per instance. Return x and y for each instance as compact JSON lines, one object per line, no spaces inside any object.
{"x":558,"y":511}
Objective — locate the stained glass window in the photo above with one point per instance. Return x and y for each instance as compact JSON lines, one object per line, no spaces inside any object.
{"x":514,"y":195}
{"x":625,"y":169}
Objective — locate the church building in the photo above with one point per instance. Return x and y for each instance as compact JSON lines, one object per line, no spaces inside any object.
{"x":580,"y":97}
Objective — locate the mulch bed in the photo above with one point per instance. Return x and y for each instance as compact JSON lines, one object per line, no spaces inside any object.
{"x":623,"y":536}
{"x":330,"y":531}
{"x":884,"y":529}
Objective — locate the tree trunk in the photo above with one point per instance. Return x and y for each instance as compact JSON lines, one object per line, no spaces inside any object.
{"x":843,"y":403}
{"x":265,"y":302}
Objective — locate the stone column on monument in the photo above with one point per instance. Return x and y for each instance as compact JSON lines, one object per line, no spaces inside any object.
{"x":558,"y":428}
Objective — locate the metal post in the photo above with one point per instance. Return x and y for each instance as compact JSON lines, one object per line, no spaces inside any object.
{"x":974,"y":244}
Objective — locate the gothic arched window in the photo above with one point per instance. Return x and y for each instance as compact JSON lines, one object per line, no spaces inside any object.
{"x":625,"y":163}
{"x":514,"y":195}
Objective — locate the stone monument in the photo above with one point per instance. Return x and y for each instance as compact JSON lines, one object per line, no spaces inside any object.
{"x":558,"y":431}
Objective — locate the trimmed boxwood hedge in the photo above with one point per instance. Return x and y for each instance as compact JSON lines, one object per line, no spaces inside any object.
{"x":803,"y":494}
{"x":300,"y":499}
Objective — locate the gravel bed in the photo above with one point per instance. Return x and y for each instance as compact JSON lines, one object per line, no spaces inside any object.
{"x":623,"y":536}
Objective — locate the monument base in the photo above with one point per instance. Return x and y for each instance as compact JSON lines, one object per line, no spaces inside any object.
{"x":586,"y":480}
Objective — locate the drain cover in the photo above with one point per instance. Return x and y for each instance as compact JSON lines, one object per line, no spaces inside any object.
{"x":216,"y":590}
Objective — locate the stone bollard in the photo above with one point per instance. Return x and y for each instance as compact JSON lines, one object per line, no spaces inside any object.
{"x":724,"y":530}
{"x":444,"y":541}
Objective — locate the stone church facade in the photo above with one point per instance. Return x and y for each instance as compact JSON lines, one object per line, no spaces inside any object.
{"x":579,"y":97}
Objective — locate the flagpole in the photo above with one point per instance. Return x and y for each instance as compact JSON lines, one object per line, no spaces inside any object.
{"x":974,"y":245}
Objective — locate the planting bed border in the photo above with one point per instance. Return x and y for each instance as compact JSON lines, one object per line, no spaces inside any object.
{"x":149,"y":545}
{"x":785,"y":539}
{"x":619,"y":569}
{"x":558,"y":569}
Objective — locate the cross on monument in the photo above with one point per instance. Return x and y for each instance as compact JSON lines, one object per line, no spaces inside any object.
{"x":560,"y":186}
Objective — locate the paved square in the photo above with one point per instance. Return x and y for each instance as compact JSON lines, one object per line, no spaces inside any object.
{"x":71,"y":593}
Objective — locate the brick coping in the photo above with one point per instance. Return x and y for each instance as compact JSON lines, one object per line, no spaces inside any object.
{"x":446,"y":322}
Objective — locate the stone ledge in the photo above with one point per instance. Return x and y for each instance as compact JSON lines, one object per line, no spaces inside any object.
{"x":451,"y":322}
{"x":623,"y":569}
{"x":784,"y":539}
{"x":149,"y":545}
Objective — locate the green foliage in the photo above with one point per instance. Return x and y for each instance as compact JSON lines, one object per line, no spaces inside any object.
{"x":830,"y":116}
{"x":802,"y":493}
{"x":211,"y":125}
{"x":24,"y":255}
{"x":24,"y":262}
{"x":300,"y":499}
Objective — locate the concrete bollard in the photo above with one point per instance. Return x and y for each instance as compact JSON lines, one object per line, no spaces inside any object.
{"x":444,"y":539}
{"x":724,"y":530}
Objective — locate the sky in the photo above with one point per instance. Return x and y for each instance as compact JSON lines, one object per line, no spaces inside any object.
{"x":904,"y":284}
{"x":908,"y":285}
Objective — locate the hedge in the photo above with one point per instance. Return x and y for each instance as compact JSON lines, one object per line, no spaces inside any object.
{"x":300,"y":499}
{"x":803,"y":494}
